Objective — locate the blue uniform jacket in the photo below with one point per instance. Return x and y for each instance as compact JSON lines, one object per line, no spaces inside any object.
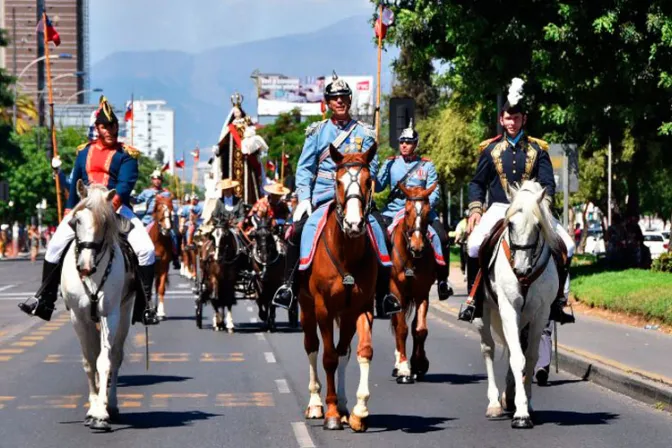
{"x":118,"y":171}
{"x":148,"y":196}
{"x":315,"y":170}
{"x":395,"y":168}
{"x":503,"y":164}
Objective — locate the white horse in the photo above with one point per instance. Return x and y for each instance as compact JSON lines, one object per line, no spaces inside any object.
{"x":524,"y":279}
{"x":97,"y":289}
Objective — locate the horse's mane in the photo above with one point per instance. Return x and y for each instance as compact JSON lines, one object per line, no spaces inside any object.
{"x":541,"y":211}
{"x":102,"y":212}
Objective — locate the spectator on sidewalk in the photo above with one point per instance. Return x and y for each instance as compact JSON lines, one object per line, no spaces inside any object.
{"x":34,"y":241}
{"x":461,"y":237}
{"x":15,"y":239}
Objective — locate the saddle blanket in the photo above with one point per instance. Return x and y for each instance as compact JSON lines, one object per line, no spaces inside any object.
{"x":432,"y":236}
{"x":313,"y":229}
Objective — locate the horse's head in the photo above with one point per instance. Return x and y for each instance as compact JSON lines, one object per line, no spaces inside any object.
{"x":220,"y":235}
{"x":529,"y":226}
{"x":266,"y":250}
{"x":163,"y":214}
{"x":95,"y":225}
{"x":354,"y":191}
{"x":416,"y":217}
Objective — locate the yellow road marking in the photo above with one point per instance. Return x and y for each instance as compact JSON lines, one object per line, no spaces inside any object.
{"x":3,"y":400}
{"x":221,"y":357}
{"x":24,"y":344}
{"x":5,"y":358}
{"x":139,"y":340}
{"x":256,"y":399}
{"x":41,"y":333}
{"x":32,"y":338}
{"x":53,"y":402}
{"x":161,"y":400}
{"x":169,"y":357}
{"x":11,"y":351}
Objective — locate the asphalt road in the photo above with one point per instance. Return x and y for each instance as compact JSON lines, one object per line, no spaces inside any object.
{"x":249,"y":389}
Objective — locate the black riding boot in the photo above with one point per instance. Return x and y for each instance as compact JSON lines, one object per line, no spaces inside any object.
{"x":472,"y":308}
{"x":144,"y":311}
{"x":47,"y":295}
{"x":286,"y":294}
{"x":444,"y":288}
{"x":557,"y":312}
{"x":389,"y":304}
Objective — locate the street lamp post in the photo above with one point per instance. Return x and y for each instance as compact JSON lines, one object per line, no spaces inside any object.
{"x":67,"y":101}
{"x":23,"y":72}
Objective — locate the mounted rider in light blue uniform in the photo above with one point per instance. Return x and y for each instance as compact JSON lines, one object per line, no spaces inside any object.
{"x":148,"y":197}
{"x":415,"y":171}
{"x":315,"y":176}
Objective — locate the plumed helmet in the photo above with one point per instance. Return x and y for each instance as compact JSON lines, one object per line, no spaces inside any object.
{"x":156,"y":174}
{"x":515,"y":99}
{"x":105,"y":115}
{"x":337,"y":87}
{"x":409,"y":135}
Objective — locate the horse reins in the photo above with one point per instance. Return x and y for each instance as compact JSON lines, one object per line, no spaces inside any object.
{"x":101,"y":248}
{"x":526,"y":281}
{"x":366,"y":205}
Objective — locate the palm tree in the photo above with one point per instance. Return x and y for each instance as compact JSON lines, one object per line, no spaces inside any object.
{"x":26,"y":112}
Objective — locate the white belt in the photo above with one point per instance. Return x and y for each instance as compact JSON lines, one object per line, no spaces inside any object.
{"x":326,"y":175}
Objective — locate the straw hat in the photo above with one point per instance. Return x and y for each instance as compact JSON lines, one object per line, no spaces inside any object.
{"x":225,"y":184}
{"x":276,"y":188}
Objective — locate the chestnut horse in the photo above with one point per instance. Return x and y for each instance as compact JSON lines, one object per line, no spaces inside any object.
{"x":339,"y":287}
{"x":159,"y":232}
{"x":413,"y":273}
{"x":189,"y":248}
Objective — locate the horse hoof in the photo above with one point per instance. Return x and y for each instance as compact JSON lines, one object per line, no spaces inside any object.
{"x":494,"y":412}
{"x":98,"y":424}
{"x":333,"y":424}
{"x":229,"y":330}
{"x":395,"y":372}
{"x":88,"y":420}
{"x":345,"y":417}
{"x":314,"y":413}
{"x":522,"y":423}
{"x":358,"y":424}
{"x":405,"y":379}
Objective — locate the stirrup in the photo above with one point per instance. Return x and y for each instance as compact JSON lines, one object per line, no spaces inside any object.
{"x":149,"y":317}
{"x":391,"y":305}
{"x":37,"y":308}
{"x":467,"y":312}
{"x":279,"y":298}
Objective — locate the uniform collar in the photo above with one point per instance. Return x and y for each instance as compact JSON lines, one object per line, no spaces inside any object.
{"x":412,"y":158}
{"x":341,"y":124}
{"x":97,"y":144}
{"x":513,"y":141}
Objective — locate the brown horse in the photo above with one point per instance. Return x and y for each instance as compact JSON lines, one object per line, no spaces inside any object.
{"x":412,"y":276}
{"x":189,"y":248}
{"x":163,"y":247}
{"x":339,"y":287}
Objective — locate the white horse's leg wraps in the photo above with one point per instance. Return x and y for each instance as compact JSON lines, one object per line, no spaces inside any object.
{"x":63,"y":235}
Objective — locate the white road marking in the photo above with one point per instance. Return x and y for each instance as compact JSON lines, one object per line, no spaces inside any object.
{"x":302,"y":435}
{"x":2,"y":288}
{"x":250,"y":309}
{"x":260,"y":336}
{"x":269,"y":357}
{"x":282,"y":385}
{"x":184,"y":285}
{"x":254,"y":320}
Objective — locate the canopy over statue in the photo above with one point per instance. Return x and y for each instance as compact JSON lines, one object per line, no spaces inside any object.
{"x":239,"y":152}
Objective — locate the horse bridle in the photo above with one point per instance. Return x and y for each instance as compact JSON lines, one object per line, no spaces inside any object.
{"x":100,"y":249}
{"x":222,"y":259}
{"x":360,"y":196}
{"x":162,"y":217}
{"x":510,"y":250}
{"x":265,"y":227}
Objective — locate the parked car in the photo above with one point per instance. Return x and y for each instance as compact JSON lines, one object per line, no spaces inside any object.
{"x":656,"y":243}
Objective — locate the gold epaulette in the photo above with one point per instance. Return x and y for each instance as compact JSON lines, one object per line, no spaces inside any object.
{"x":542,"y":144}
{"x":131,"y":151}
{"x":484,"y":144}
{"x":82,"y":146}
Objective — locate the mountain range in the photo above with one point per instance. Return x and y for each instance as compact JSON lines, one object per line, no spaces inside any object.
{"x":198,"y":85}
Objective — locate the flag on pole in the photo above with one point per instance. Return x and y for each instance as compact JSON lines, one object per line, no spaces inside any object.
{"x":52,"y":34}
{"x":179,"y":163}
{"x":166,"y":167}
{"x":196,"y":154}
{"x":128,"y":115}
{"x":384,"y":22}
{"x":285,"y":159}
{"x":270,"y":166}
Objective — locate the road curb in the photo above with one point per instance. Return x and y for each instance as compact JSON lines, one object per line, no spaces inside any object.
{"x":631,"y":382}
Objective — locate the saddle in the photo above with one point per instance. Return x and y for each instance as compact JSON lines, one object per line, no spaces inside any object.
{"x":491,"y":244}
{"x":130,"y":259}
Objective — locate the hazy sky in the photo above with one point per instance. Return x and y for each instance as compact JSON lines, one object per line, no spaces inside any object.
{"x":197,"y":25}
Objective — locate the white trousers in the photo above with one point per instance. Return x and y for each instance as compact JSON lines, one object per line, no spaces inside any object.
{"x":496,"y":212}
{"x":138,"y":238}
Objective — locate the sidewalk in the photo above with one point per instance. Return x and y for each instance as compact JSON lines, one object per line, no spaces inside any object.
{"x":630,"y":360}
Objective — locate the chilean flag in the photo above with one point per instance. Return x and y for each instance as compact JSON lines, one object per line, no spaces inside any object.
{"x":166,"y":167}
{"x":384,"y":22}
{"x":128,"y":115}
{"x":196,"y":154}
{"x":179,"y":163}
{"x":52,"y":34}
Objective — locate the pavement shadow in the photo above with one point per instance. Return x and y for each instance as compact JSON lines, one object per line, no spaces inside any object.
{"x":161,"y":419}
{"x":571,"y":418}
{"x":412,"y":424}
{"x":148,"y":380}
{"x":452,"y":378}
{"x":561,"y":382}
{"x":192,"y":317}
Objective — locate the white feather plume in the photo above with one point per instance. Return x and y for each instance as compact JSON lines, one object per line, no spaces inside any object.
{"x":515,"y":91}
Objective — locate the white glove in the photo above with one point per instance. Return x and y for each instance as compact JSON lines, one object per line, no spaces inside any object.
{"x":56,"y":162}
{"x":302,"y":208}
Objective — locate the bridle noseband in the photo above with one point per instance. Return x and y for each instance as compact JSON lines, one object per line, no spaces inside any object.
{"x":360,"y":196}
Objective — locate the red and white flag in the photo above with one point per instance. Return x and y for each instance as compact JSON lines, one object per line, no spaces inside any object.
{"x":52,"y":34}
{"x":384,"y":22}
